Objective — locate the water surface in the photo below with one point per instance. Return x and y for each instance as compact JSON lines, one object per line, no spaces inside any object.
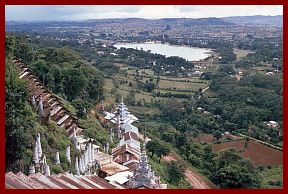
{"x":188,"y":53}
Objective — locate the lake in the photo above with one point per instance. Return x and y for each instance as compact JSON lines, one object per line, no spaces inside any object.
{"x":188,"y":53}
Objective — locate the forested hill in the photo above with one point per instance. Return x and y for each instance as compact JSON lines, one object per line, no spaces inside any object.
{"x":62,"y":71}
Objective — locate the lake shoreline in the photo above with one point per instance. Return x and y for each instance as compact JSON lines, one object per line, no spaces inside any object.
{"x":206,"y":52}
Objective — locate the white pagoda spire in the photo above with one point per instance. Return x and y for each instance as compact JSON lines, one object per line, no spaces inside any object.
{"x":31,"y":169}
{"x":39,"y":147}
{"x":68,"y":154}
{"x":35,"y":154}
{"x":106,"y":147}
{"x":77,"y":166}
{"x":82,"y":164}
{"x":92,"y":153}
{"x":57,"y":158}
{"x":89,"y":153}
{"x":124,"y":115}
{"x":144,"y":143}
{"x":34,"y":101}
{"x":111,"y":136}
{"x":86,"y":158}
{"x":40,"y":107}
{"x":119,"y":127}
{"x":46,"y":170}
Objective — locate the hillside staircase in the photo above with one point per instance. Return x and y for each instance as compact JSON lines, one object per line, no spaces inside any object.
{"x":53,"y":108}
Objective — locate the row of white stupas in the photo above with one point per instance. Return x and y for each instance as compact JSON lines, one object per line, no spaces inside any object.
{"x":83,"y":165}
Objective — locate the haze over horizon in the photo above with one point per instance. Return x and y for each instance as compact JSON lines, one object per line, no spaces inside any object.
{"x":82,"y":12}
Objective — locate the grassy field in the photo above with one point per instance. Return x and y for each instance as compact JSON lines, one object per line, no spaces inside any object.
{"x":175,"y":85}
{"x":147,"y":71}
{"x":173,"y":92}
{"x":241,"y":53}
{"x":272,"y":177}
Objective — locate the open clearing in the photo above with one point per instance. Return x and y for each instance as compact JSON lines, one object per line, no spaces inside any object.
{"x":241,"y":53}
{"x":209,"y":138}
{"x":258,"y":153}
{"x":166,"y":84}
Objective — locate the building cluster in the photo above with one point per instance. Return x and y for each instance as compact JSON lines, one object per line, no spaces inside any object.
{"x":110,"y":31}
{"x":126,"y":167}
{"x":128,"y":152}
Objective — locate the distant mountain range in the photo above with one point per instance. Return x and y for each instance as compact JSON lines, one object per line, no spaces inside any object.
{"x":257,"y":19}
{"x":235,"y":20}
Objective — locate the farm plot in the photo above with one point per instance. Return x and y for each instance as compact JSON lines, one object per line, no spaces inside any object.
{"x":174,"y":85}
{"x":259,"y":154}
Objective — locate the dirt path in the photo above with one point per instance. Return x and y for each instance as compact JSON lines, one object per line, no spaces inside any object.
{"x":262,"y":142}
{"x":205,"y":89}
{"x":142,"y":137}
{"x":191,"y":176}
{"x":169,"y":158}
{"x":195,"y":180}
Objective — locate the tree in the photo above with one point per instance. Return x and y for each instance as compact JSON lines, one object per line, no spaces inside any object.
{"x":24,"y":52}
{"x":246,"y":142}
{"x":81,"y":106}
{"x":232,"y":171}
{"x":168,"y":137}
{"x":235,"y":176}
{"x":149,"y":86}
{"x":74,"y":83}
{"x":18,"y":118}
{"x":157,"y":147}
{"x":227,"y":68}
{"x":162,"y":150}
{"x":217,"y":134}
{"x":152,"y":146}
{"x":10,"y":44}
{"x":175,"y":172}
{"x":17,"y":46}
{"x":40,"y":68}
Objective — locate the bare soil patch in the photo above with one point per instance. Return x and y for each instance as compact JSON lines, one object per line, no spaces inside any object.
{"x":258,"y":153}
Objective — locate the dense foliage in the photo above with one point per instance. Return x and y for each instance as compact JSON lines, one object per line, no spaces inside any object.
{"x":18,"y":116}
{"x":64,"y":72}
{"x":232,"y":171}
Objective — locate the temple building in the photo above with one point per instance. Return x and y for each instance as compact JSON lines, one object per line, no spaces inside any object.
{"x":128,"y":152}
{"x":126,"y":167}
{"x":144,"y":177}
{"x":122,"y":112}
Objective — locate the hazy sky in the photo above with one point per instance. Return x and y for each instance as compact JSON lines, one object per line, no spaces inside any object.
{"x":72,"y":12}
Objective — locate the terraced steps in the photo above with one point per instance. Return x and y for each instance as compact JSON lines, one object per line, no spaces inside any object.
{"x":52,"y":105}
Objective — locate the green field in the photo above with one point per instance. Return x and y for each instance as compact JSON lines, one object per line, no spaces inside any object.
{"x":272,"y":177}
{"x":176,"y":85}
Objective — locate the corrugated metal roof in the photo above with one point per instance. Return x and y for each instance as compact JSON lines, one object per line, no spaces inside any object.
{"x":60,"y":181}
{"x":120,"y":177}
{"x":129,"y":128}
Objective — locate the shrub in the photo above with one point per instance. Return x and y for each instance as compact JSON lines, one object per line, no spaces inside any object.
{"x":56,"y":169}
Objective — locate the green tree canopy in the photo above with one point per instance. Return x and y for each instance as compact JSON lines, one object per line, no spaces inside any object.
{"x":175,"y":172}
{"x":232,"y":171}
{"x":18,"y":117}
